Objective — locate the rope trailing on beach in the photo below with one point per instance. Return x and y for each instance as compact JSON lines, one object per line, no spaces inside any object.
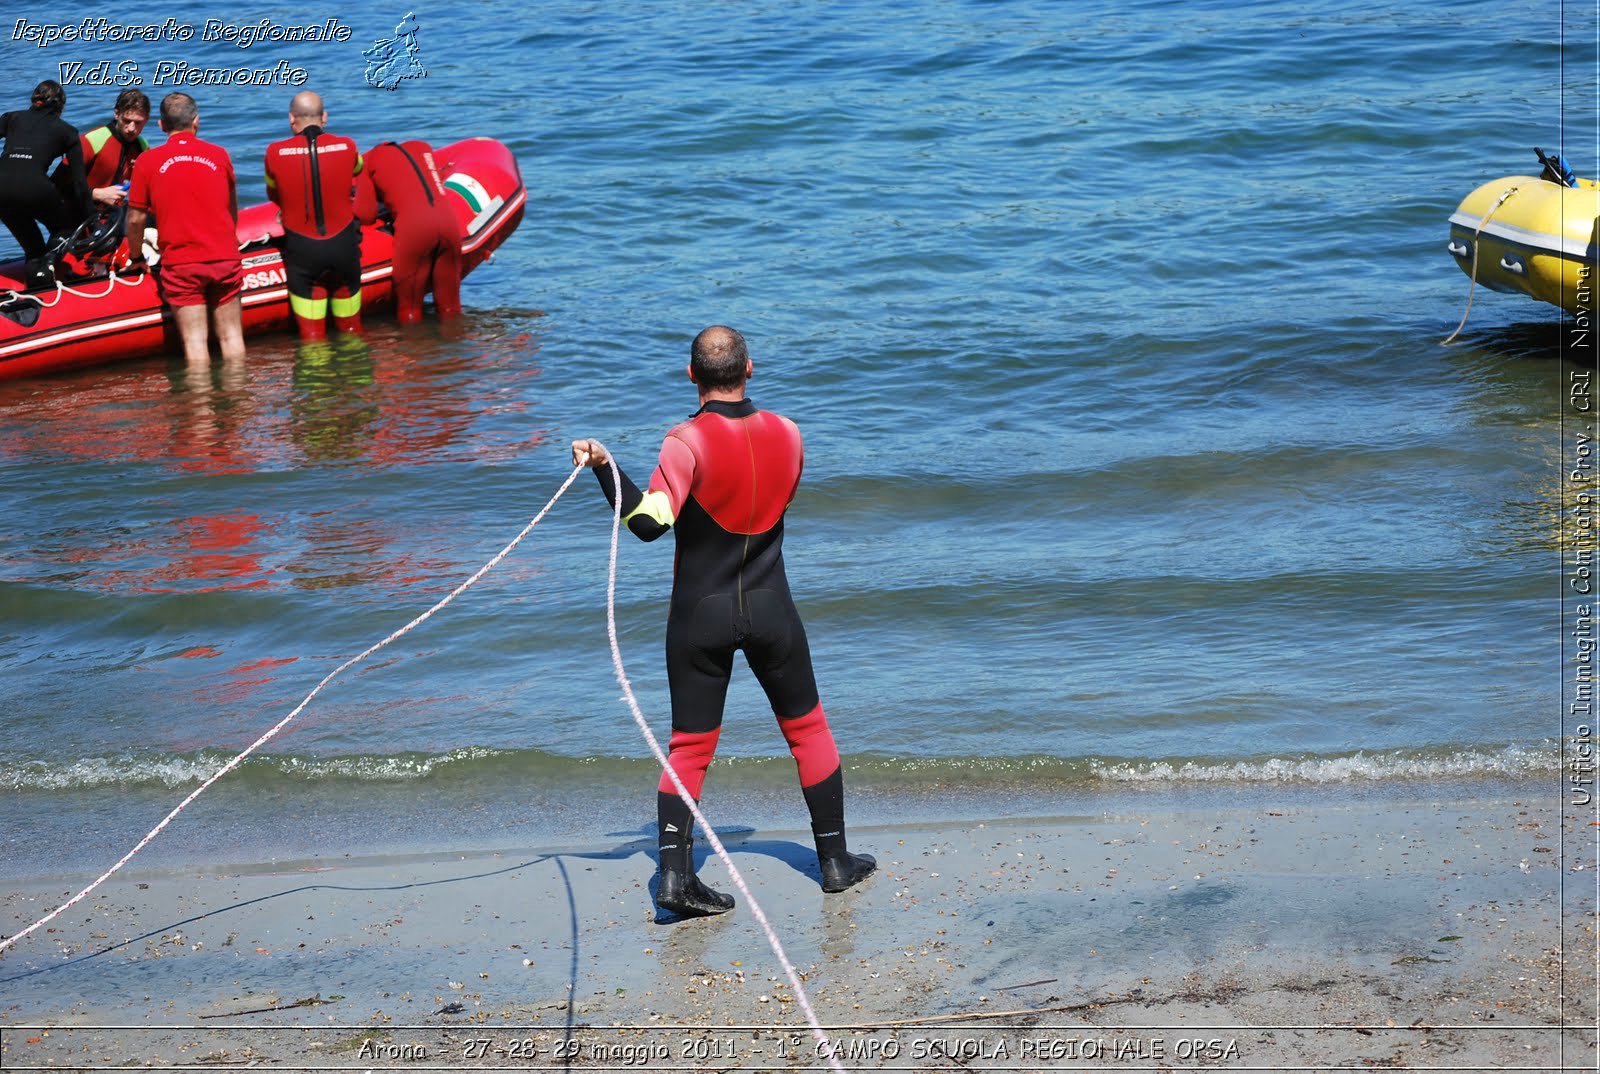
{"x":825,"y":1048}
{"x":1474,"y":274}
{"x":281,"y":724}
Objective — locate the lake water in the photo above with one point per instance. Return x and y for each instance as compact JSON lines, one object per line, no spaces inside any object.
{"x":1133,"y":457}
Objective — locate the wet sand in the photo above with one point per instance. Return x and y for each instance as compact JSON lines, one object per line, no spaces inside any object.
{"x":1309,"y":931}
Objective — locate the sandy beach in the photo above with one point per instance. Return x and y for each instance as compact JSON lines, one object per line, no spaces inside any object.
{"x":1273,"y":931}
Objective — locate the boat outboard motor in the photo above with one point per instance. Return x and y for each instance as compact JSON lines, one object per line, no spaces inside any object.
{"x":1555,"y":168}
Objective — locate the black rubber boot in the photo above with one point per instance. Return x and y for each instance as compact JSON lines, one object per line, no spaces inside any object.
{"x":39,"y":274}
{"x":845,"y":870}
{"x":681,"y":890}
{"x":840,"y":868}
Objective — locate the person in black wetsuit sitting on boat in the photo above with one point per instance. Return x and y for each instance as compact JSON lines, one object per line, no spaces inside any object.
{"x":33,"y":140}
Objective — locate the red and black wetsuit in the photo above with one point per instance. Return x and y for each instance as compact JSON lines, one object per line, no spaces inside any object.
{"x":107,"y":159}
{"x":34,"y":139}
{"x":723,"y":482}
{"x":427,"y":232}
{"x":311,"y":177}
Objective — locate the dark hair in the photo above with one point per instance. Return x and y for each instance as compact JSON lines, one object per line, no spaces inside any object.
{"x":48,"y":96}
{"x":178,"y":112}
{"x":717,"y":356}
{"x":132,"y":100}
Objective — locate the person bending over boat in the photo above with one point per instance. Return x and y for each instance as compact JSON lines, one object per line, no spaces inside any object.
{"x":110,"y":149}
{"x":28,"y":196}
{"x":311,"y":176}
{"x":189,"y":187}
{"x":723,"y":483}
{"x":427,"y":232}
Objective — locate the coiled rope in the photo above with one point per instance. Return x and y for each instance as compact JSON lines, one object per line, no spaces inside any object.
{"x":1474,"y":274}
{"x":826,"y":1049}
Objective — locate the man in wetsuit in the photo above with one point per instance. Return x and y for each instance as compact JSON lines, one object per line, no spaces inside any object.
{"x":33,"y":139}
{"x":723,"y":483}
{"x":427,"y":231}
{"x":188,"y":185}
{"x":109,"y":150}
{"x":311,"y":176}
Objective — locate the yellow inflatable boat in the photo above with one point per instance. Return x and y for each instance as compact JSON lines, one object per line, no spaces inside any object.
{"x":1538,"y":235}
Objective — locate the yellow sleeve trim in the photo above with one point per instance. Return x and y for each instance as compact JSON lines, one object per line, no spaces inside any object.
{"x":655,"y":506}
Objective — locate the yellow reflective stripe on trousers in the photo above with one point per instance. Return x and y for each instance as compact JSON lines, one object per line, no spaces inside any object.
{"x":313,"y":309}
{"x":656,"y":506}
{"x":347,"y":307}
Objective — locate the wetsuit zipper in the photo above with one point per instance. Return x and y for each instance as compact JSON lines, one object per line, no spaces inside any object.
{"x":316,"y":178}
{"x":750,"y":520}
{"x":125,"y":160}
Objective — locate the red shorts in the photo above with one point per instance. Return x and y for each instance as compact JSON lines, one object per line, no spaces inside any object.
{"x":201,"y":283}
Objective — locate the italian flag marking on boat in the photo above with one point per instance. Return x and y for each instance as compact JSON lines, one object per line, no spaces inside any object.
{"x":477,"y":198}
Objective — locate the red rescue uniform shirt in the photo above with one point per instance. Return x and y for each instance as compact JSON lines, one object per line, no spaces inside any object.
{"x":188,"y":186}
{"x":316,"y":201}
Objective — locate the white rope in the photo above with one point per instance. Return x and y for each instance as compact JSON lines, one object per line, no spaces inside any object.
{"x":826,"y":1049}
{"x":110,"y":286}
{"x":281,"y":724}
{"x":1474,"y":274}
{"x":61,"y":289}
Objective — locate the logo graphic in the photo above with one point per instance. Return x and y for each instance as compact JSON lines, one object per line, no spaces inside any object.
{"x":393,"y":61}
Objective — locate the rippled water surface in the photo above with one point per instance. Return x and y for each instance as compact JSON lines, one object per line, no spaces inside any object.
{"x":1113,"y":330}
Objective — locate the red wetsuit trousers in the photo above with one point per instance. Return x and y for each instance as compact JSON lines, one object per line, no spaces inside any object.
{"x":427,"y":257}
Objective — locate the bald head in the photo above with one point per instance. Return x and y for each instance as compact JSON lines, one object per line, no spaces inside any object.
{"x":718,"y":358}
{"x":306,"y":111}
{"x":179,"y":113}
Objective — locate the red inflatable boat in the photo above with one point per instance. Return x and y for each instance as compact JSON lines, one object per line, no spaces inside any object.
{"x":104,"y":318}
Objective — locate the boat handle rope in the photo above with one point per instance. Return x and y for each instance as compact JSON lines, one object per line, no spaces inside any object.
{"x":62,"y":289}
{"x":826,"y":1049}
{"x":131,"y":281}
{"x":1510,"y":190}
